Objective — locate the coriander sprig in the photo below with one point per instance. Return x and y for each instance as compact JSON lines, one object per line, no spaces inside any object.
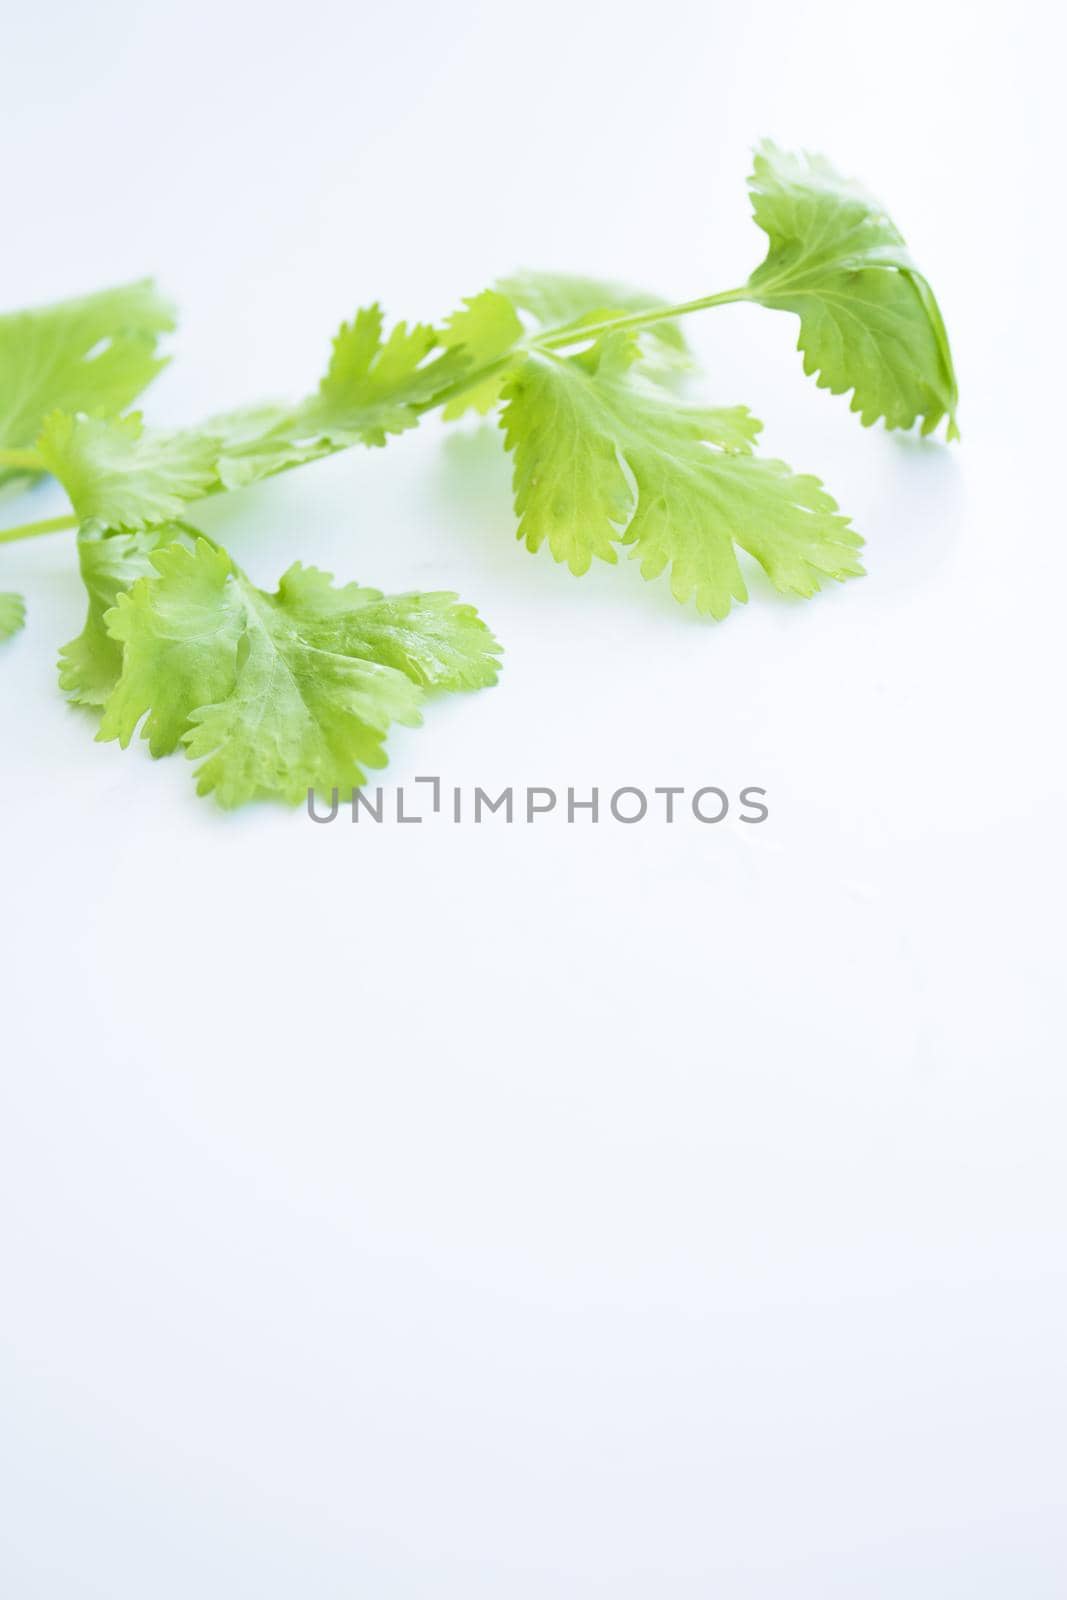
{"x":276,"y":693}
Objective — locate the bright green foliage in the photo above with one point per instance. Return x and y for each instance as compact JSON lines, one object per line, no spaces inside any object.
{"x":868,"y":319}
{"x":12,"y":614}
{"x":571,"y":490}
{"x":180,"y":630}
{"x":259,"y":441}
{"x":89,"y":666}
{"x":94,"y":354}
{"x":123,"y":475}
{"x":599,"y":459}
{"x":275,"y":694}
{"x":487,"y":328}
{"x":372,"y":387}
{"x":128,"y":477}
{"x":433,"y":639}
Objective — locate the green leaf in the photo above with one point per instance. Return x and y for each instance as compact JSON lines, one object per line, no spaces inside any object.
{"x":599,"y":459}
{"x":868,"y":318}
{"x":12,"y":614}
{"x":128,"y":477}
{"x":90,"y":665}
{"x":258,"y":441}
{"x":486,"y":328}
{"x":123,"y":475}
{"x":433,"y":639}
{"x":375,"y":387}
{"x":94,"y":354}
{"x":276,"y":694}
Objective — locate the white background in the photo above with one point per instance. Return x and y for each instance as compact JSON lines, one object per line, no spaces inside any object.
{"x":505,"y":1213}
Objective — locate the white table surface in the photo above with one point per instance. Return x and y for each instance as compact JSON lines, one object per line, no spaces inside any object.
{"x":548,"y":1211}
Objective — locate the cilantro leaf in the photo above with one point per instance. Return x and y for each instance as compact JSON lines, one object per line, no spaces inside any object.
{"x":375,"y":387}
{"x":435,"y":641}
{"x":869,"y":321}
{"x":94,"y":354}
{"x":486,"y":328}
{"x":128,"y":477}
{"x":258,"y":441}
{"x":600,"y":459}
{"x":89,"y":666}
{"x":275,"y":694}
{"x":123,"y":475}
{"x":12,"y":614}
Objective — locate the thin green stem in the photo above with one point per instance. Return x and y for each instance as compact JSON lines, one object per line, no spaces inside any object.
{"x":21,"y":460}
{"x":558,"y":338}
{"x":31,"y":530}
{"x":194,"y":533}
{"x":637,"y":319}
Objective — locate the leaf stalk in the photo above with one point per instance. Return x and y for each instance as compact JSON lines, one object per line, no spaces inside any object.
{"x":559,"y":338}
{"x":638,"y":319}
{"x":21,"y":461}
{"x":32,"y":530}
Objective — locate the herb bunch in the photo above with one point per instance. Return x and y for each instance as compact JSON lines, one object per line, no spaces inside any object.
{"x":273,"y":694}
